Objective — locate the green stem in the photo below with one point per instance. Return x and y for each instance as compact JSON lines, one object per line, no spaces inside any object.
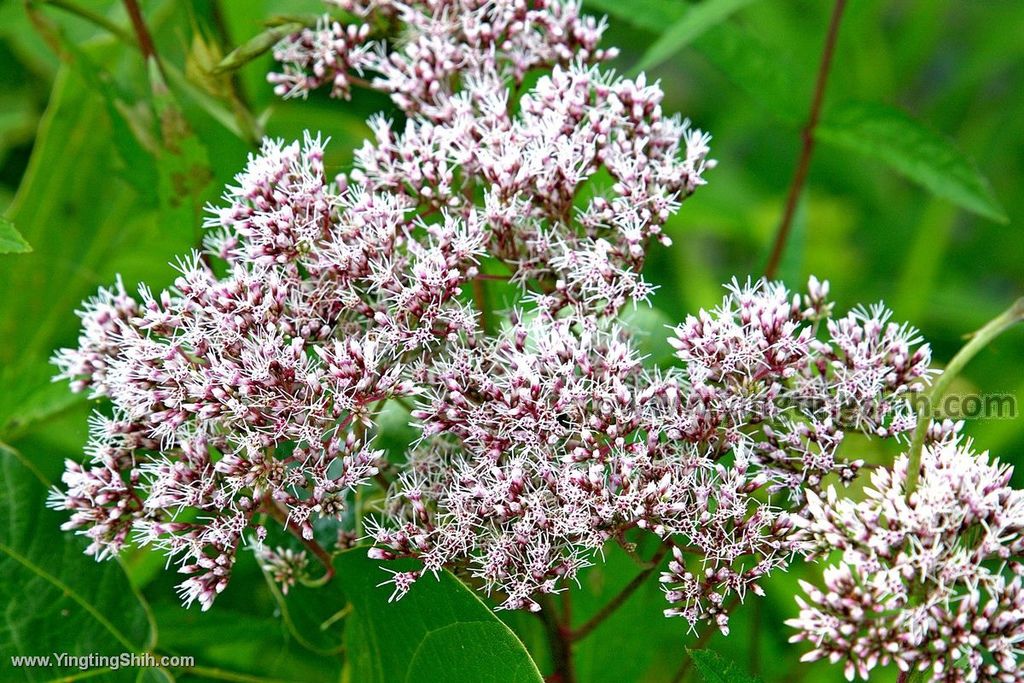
{"x":979,"y":340}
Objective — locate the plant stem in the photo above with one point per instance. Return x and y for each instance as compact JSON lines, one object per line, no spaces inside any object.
{"x":145,"y":40}
{"x":560,"y":641}
{"x":480,"y":299}
{"x":220,"y":25}
{"x":979,"y":340}
{"x":615,"y":603}
{"x":807,"y":134}
{"x":311,"y":545}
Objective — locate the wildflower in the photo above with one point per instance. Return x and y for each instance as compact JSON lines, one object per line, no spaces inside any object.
{"x":251,"y":388}
{"x":443,"y":44}
{"x":285,"y":566}
{"x":781,"y":361}
{"x":930,"y":582}
{"x":542,"y":445}
{"x":247,"y":393}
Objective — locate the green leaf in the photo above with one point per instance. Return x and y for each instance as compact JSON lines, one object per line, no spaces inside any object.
{"x":70,"y":186}
{"x":439,"y":632}
{"x":313,"y":615}
{"x":241,"y":646}
{"x":395,"y":433}
{"x":695,"y":22}
{"x":56,"y":598}
{"x":914,"y":151}
{"x":33,"y":400}
{"x":11,"y":241}
{"x":86,"y":223}
{"x":245,"y":637}
{"x":755,"y":67}
{"x":652,"y":15}
{"x":638,"y":627}
{"x":184,"y":166}
{"x":740,"y":55}
{"x":256,"y":46}
{"x":714,"y":668}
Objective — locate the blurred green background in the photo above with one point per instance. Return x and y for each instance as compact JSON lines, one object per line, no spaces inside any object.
{"x":102,"y":177}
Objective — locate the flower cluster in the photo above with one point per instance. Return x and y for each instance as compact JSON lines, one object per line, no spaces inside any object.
{"x":246,"y":395}
{"x":284,"y":565}
{"x":548,"y":441}
{"x":440,"y":46}
{"x":248,"y":390}
{"x":543,"y":444}
{"x":770,"y":358}
{"x":527,"y":163}
{"x":533,"y":171}
{"x":930,"y":580}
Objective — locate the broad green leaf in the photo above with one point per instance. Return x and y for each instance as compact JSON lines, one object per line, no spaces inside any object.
{"x":56,"y":598}
{"x":212,"y":106}
{"x":19,"y":112}
{"x":11,"y":241}
{"x":395,"y":433}
{"x":86,"y":223}
{"x":439,"y":632}
{"x":245,"y":636}
{"x":130,"y":123}
{"x":239,"y":645}
{"x":313,"y":615}
{"x":907,"y":146}
{"x":73,"y":209}
{"x":183,"y":164}
{"x":32,"y":401}
{"x":695,"y":22}
{"x":714,"y":668}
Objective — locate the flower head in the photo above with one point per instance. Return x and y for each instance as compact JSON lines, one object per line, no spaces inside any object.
{"x":929,"y":581}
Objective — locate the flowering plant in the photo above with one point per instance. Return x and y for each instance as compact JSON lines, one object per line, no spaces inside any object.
{"x":245,"y":403}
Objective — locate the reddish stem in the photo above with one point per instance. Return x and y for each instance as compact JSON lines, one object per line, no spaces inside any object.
{"x":560,"y":641}
{"x":146,"y":46}
{"x":615,"y":603}
{"x":480,"y":299}
{"x":275,"y":511}
{"x":804,"y":162}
